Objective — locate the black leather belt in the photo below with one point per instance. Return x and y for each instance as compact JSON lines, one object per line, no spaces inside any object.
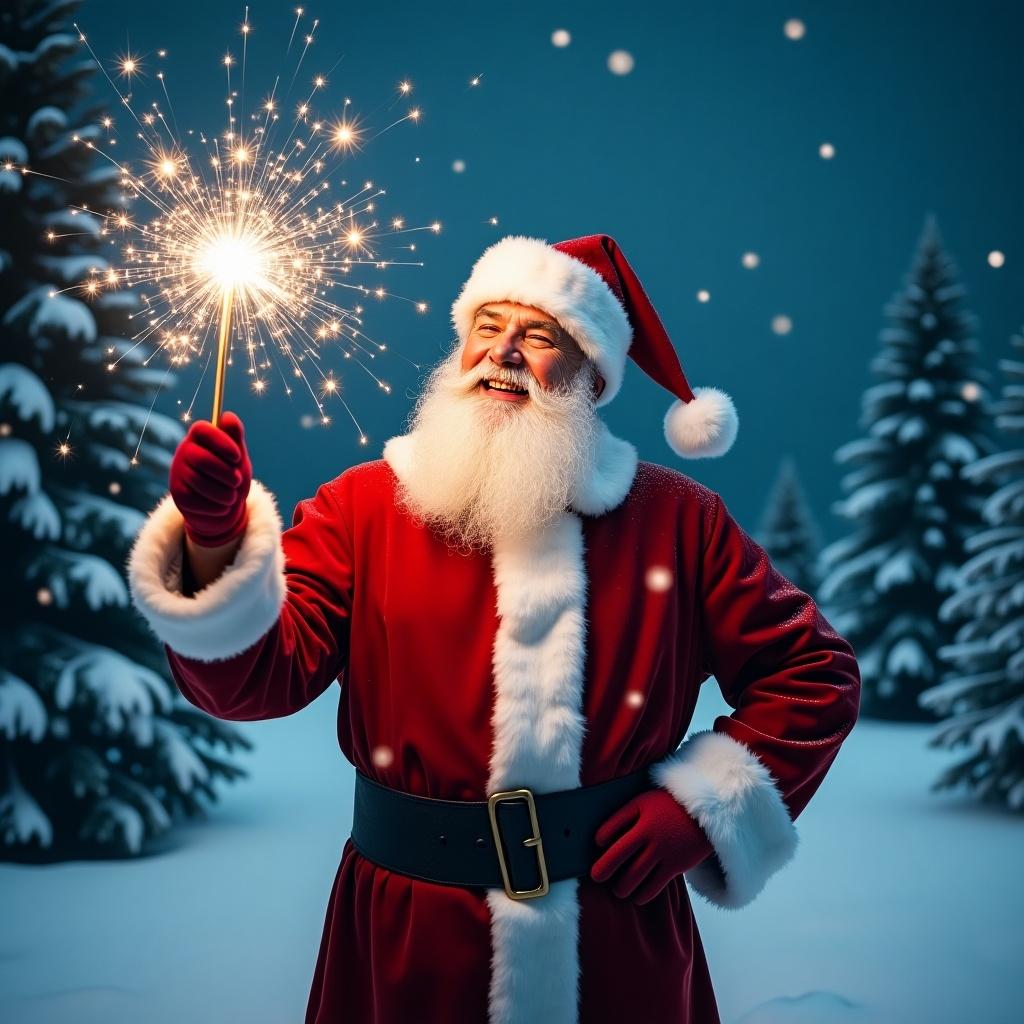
{"x":516,"y":840}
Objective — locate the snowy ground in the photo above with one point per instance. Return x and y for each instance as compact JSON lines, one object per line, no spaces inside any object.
{"x":900,"y":907}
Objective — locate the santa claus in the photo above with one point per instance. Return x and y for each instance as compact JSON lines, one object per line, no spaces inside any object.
{"x":520,"y":615}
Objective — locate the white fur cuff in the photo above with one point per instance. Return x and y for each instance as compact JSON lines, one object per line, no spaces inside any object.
{"x":734,"y":799}
{"x":230,"y":614}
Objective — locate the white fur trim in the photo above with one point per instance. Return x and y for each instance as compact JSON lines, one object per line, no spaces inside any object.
{"x":605,"y":487}
{"x":703,"y":428}
{"x":535,"y":964}
{"x":610,"y":477}
{"x":538,"y":726}
{"x":230,"y":614}
{"x":734,"y":799}
{"x":533,"y":273}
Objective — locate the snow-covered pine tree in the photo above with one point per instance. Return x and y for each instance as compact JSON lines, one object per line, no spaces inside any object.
{"x":911,"y":510}
{"x":788,"y":531}
{"x":98,"y":752}
{"x":983,"y":689}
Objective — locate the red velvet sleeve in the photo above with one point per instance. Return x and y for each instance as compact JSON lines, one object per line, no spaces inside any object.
{"x":793,"y":681}
{"x":306,"y":649}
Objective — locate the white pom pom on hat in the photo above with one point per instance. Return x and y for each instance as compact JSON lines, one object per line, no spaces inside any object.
{"x":706,"y":425}
{"x":588,"y":286}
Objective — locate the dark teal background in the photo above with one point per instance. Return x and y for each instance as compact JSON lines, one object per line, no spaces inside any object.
{"x":707,"y":150}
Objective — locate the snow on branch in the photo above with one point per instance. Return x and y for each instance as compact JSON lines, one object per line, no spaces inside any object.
{"x":130,"y":420}
{"x":44,"y":123}
{"x":90,"y":514}
{"x":29,"y":396}
{"x":19,"y":466}
{"x":120,"y":689}
{"x":184,"y":763}
{"x":69,"y":270}
{"x":53,"y":315}
{"x":37,"y":515}
{"x":22,"y":712}
{"x":63,"y":571}
{"x":21,"y":818}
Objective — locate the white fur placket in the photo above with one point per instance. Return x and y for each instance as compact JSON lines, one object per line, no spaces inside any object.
{"x":538,"y":726}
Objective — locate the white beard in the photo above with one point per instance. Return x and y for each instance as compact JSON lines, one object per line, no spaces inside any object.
{"x":483,"y":468}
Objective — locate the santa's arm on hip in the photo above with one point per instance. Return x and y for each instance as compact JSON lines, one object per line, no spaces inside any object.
{"x":268,"y":634}
{"x":795,"y":686}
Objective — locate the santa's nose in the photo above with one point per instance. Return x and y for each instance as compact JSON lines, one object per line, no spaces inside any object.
{"x":506,"y":352}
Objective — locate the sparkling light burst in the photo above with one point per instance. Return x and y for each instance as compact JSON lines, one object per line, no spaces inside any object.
{"x":253,"y":232}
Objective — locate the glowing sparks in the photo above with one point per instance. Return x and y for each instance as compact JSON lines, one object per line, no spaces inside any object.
{"x":237,"y":260}
{"x":346,"y":135}
{"x":252,"y":236}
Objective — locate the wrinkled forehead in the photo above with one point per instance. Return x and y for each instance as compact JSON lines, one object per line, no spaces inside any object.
{"x":527,"y":315}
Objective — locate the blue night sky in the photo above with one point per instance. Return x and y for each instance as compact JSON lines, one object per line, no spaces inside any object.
{"x":708,"y":149}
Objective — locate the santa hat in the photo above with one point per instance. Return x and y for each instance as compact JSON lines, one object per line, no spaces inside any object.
{"x":589,"y":288}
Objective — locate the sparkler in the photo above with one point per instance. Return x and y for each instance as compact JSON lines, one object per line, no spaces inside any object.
{"x":251,"y":232}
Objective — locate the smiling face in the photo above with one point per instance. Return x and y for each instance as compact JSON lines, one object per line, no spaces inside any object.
{"x":505,"y":431}
{"x":510,"y":340}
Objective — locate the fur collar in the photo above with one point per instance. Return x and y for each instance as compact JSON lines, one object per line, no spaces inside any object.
{"x":603,"y":490}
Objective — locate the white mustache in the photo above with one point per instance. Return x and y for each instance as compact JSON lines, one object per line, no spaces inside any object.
{"x":515,"y":378}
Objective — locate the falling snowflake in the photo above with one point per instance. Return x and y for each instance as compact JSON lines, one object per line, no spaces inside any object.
{"x":621,"y":62}
{"x":794,"y":29}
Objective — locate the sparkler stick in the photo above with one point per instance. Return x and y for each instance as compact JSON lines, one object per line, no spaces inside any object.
{"x":222,"y":355}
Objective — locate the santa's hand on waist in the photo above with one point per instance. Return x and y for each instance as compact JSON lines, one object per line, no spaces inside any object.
{"x":210,"y":477}
{"x":649,"y":841}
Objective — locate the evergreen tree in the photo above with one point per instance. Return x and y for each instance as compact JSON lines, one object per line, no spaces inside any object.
{"x":98,"y":752}
{"x":788,"y":532}
{"x":911,"y":510}
{"x":984,"y":686}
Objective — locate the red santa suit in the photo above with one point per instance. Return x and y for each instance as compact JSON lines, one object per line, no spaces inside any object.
{"x":569,"y":658}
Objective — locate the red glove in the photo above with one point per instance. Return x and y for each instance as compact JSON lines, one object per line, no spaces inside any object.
{"x":209,"y":480}
{"x":658,"y":839}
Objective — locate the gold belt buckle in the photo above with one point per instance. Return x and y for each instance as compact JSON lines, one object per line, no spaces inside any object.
{"x":535,"y":841}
